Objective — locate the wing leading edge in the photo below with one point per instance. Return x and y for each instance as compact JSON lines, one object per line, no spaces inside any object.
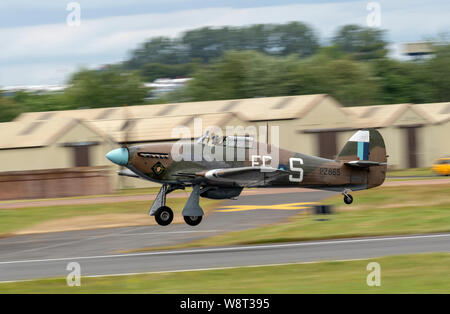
{"x":244,"y":176}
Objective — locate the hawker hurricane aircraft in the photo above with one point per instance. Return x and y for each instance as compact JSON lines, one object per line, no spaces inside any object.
{"x":360,"y":165}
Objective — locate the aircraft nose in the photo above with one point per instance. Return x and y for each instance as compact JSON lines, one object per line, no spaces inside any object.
{"x":118,"y":156}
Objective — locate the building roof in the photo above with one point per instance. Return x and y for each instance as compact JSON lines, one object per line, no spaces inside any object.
{"x":148,"y":123}
{"x":439,"y":112}
{"x":251,"y":109}
{"x":27,"y":134}
{"x":158,"y":128}
{"x":417,"y":48}
{"x":277,"y":108}
{"x":381,"y":115}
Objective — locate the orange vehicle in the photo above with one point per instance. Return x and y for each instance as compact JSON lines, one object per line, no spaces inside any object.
{"x":442,"y":166}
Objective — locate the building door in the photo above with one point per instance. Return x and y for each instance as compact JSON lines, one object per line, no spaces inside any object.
{"x":327,"y":145}
{"x":411,"y":149}
{"x":81,"y":156}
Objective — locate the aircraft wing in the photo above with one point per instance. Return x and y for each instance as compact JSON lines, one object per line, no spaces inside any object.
{"x":244,"y":176}
{"x":127,"y":173}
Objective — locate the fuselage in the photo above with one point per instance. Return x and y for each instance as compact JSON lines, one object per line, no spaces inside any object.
{"x":185,"y":165}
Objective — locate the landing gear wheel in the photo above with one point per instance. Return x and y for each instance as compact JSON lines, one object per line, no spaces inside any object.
{"x":192,"y":220}
{"x":348,"y":199}
{"x":164,"y":216}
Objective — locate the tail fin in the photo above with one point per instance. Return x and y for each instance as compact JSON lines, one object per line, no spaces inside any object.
{"x":365,"y":148}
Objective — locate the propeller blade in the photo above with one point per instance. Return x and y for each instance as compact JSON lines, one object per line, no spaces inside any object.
{"x":126,"y":126}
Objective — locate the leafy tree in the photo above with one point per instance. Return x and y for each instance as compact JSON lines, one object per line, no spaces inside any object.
{"x":152,"y":71}
{"x":363,"y":43}
{"x":238,"y":74}
{"x":297,"y":38}
{"x":42,"y":102}
{"x":158,"y":50}
{"x":351,"y":83}
{"x":401,"y":82}
{"x":251,"y":74}
{"x":438,"y":69}
{"x":105,"y":88}
{"x":207,"y":44}
{"x":9,"y":109}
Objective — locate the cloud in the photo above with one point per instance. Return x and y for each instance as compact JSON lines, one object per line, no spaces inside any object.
{"x":47,"y":48}
{"x":35,"y":73}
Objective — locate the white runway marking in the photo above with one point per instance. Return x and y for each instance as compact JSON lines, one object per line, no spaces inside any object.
{"x":227,"y":267}
{"x":202,"y":269}
{"x":231,"y":249}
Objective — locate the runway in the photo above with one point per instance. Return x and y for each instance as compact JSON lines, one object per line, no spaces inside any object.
{"x":98,"y":251}
{"x":110,"y":241}
{"x":179,"y":260}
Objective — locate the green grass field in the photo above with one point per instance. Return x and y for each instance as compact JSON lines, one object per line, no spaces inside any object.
{"x":419,"y":273}
{"x":13,"y":220}
{"x":411,"y":172}
{"x":380,"y":211}
{"x":124,"y":192}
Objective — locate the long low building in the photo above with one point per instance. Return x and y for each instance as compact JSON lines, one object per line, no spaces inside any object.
{"x":311,"y":124}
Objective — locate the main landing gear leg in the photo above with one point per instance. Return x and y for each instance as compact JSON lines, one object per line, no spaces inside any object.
{"x":348,"y":199}
{"x":192,"y":212}
{"x":163,"y":214}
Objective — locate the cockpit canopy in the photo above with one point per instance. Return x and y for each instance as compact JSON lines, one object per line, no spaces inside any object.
{"x":228,"y":141}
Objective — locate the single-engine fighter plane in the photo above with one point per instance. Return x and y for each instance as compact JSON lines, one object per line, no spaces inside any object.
{"x":360,"y":165}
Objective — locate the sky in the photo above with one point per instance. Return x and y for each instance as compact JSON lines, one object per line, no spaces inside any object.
{"x":38,"y":46}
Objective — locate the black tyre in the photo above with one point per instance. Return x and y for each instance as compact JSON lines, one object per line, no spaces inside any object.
{"x":193,"y":220}
{"x":348,"y":199}
{"x":164,"y":216}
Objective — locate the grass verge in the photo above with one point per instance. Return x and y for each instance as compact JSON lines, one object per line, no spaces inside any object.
{"x":61,"y":218}
{"x":411,"y":172}
{"x":376,"y":212}
{"x":417,"y":273}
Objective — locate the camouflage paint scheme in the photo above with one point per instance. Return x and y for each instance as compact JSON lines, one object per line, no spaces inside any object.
{"x":154,"y":162}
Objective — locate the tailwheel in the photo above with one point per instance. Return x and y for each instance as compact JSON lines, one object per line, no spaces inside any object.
{"x":164,"y":216}
{"x":193,"y":220}
{"x":348,"y":199}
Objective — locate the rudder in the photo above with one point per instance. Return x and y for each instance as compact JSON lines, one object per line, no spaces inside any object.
{"x":364,"y":145}
{"x":366,"y":151}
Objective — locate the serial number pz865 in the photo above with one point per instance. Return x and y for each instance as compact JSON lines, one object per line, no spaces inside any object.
{"x":330,"y":171}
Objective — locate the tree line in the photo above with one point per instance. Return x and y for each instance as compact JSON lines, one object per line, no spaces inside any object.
{"x":255,"y":61}
{"x":246,"y":74}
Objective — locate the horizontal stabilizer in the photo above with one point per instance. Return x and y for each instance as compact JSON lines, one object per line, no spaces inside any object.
{"x":363,"y":163}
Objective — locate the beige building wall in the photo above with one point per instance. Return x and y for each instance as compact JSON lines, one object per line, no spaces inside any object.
{"x":394,"y":147}
{"x":325,"y":116}
{"x":24,"y":159}
{"x":409,"y":118}
{"x":81,"y":133}
{"x":436,"y":142}
{"x":56,"y":155}
{"x":343,"y":137}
